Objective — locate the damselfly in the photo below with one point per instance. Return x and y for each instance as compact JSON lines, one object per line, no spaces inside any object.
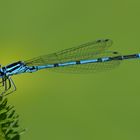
{"x":90,"y":57}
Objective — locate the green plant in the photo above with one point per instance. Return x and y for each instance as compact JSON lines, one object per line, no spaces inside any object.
{"x":9,"y":122}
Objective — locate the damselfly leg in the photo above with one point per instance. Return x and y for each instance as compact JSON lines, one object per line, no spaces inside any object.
{"x":2,"y":82}
{"x":7,"y":83}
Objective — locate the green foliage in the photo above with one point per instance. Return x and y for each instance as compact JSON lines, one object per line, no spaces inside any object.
{"x":9,"y":122}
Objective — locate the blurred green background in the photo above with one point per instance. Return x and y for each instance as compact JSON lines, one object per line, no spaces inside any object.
{"x":57,"y":106}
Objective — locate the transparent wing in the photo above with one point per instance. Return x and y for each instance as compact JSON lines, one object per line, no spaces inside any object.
{"x":84,"y":51}
{"x":90,"y":67}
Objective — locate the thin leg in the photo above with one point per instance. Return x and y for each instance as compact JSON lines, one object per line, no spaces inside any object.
{"x":11,"y":84}
{"x":2,"y":81}
{"x":4,"y":84}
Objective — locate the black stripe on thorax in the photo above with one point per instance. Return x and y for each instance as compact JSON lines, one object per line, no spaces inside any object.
{"x":13,"y":69}
{"x":13,"y":64}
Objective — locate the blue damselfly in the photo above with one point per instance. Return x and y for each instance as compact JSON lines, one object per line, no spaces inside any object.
{"x":90,"y":57}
